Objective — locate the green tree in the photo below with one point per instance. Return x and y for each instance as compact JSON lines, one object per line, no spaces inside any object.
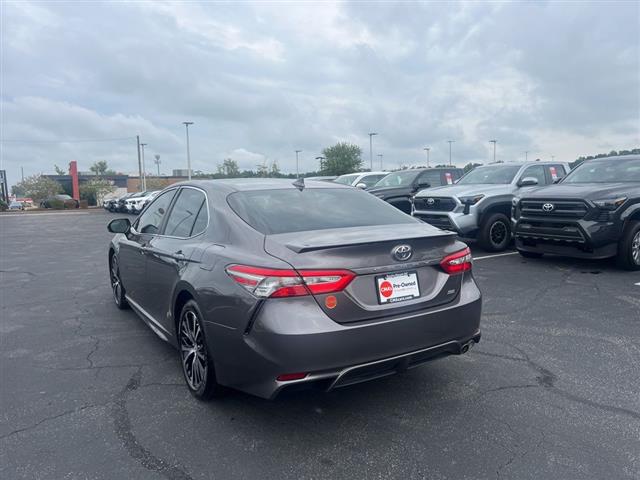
{"x":263,"y":170}
{"x":229,"y":168}
{"x":274,"y":171}
{"x":38,"y":187}
{"x":95,"y":189}
{"x":342,"y":158}
{"x":59,"y":171}
{"x":101,"y":168}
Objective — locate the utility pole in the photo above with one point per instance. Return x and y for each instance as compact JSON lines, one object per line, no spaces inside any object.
{"x":144,"y":170}
{"x":157,"y":162}
{"x":371,"y":148}
{"x":186,"y":125}
{"x":297,"y":168}
{"x":139,"y":163}
{"x":427,"y":149}
{"x":380,"y":155}
{"x":450,"y":142}
{"x":553,"y":157}
{"x":22,"y":173}
{"x":494,"y":149}
{"x":526,"y":155}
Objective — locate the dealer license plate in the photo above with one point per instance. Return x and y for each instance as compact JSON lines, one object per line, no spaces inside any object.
{"x":397,"y":287}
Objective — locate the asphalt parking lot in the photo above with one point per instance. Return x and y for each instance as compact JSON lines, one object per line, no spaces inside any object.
{"x":88,"y":391}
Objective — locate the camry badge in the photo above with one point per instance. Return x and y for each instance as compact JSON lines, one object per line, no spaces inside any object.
{"x":548,"y":207}
{"x":402,"y":252}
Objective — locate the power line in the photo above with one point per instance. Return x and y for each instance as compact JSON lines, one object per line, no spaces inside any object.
{"x":88,"y":140}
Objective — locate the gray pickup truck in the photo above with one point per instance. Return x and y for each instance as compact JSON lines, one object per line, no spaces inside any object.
{"x":478,"y":206}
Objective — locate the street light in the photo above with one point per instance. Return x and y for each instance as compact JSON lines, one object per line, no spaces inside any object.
{"x":321,"y":158}
{"x":427,"y":149}
{"x":157,"y":162}
{"x":297,"y":169}
{"x":494,"y":149}
{"x":371,"y":148}
{"x":186,"y":126}
{"x":526,"y":155}
{"x":380,"y":155}
{"x":450,"y":142}
{"x":144,"y":170}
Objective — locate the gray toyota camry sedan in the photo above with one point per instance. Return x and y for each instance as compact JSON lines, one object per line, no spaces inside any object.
{"x":264,"y":285}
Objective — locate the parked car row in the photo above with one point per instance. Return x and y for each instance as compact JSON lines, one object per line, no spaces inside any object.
{"x":131,"y":202}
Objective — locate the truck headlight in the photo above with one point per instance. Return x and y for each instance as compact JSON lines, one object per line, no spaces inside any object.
{"x":472,"y":200}
{"x":611,"y":203}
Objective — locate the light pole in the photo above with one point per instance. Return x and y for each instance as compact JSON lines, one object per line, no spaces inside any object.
{"x":297,"y":163}
{"x":380,"y":155}
{"x":144,"y":170}
{"x":494,"y":149}
{"x":321,"y":158}
{"x":157,"y":162}
{"x":371,"y":148}
{"x":450,"y":142}
{"x":553,"y":157}
{"x":427,"y":149}
{"x":186,"y":125}
{"x":526,"y":155}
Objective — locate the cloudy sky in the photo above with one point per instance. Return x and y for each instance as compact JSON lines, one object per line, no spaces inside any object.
{"x":263,"y":79}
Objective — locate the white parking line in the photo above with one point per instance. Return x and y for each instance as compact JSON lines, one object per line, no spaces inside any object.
{"x":638,"y":284}
{"x":27,"y":215}
{"x":494,"y":256}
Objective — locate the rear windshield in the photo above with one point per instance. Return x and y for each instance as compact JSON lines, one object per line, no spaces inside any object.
{"x":605,"y":171}
{"x":284,"y":211}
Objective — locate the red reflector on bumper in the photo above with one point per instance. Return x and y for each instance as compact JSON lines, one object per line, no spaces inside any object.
{"x":287,"y":377}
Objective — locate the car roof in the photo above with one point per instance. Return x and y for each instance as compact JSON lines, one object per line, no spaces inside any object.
{"x":617,"y":157}
{"x":248,"y":184}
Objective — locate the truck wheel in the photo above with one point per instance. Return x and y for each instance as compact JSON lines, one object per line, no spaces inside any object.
{"x":495,"y":233}
{"x":629,"y":247}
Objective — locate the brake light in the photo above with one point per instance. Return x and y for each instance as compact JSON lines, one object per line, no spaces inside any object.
{"x":457,"y":262}
{"x":287,"y":377}
{"x":267,"y":282}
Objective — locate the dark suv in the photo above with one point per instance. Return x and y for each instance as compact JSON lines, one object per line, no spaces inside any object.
{"x":594,"y":212}
{"x":398,"y":188}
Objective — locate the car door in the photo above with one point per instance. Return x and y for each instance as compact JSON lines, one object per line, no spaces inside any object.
{"x":132,"y":251}
{"x":169,"y":253}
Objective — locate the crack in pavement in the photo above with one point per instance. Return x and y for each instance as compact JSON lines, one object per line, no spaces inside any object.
{"x":53,"y":417}
{"x":547,"y":380}
{"x":124,"y":431}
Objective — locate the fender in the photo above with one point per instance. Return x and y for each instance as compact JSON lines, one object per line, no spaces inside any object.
{"x":489,"y":204}
{"x":630,"y":210}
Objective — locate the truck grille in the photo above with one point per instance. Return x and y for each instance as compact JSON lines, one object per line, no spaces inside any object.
{"x":554,"y":231}
{"x":440,"y":221}
{"x":573,"y":209}
{"x":436,"y":204}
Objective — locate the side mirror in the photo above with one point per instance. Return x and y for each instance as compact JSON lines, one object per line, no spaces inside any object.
{"x":119,"y":225}
{"x":361,"y":185}
{"x":528,"y":182}
{"x":557,"y":180}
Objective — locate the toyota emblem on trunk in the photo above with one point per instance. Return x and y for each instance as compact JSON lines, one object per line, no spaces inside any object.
{"x":548,"y":207}
{"x":402,"y":252}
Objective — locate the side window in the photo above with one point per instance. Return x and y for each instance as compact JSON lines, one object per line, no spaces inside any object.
{"x":202,"y":219}
{"x":556,"y":172}
{"x":183,"y":215}
{"x":371,"y":180}
{"x":432,"y":178}
{"x":537,"y":172}
{"x":151,"y":219}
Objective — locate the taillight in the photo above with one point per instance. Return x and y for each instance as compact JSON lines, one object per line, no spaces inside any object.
{"x":267,"y":282}
{"x":457,"y":262}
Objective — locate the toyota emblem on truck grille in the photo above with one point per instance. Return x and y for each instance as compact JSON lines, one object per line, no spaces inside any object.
{"x":402,"y":252}
{"x":431,"y":201}
{"x":548,"y":207}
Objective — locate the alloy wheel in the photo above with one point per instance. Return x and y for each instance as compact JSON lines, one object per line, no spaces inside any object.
{"x":498,"y":233}
{"x":192,"y":350}
{"x":635,"y":248}
{"x":116,"y":284}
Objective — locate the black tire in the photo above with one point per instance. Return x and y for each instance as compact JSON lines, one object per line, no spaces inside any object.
{"x":495,"y":233}
{"x":195,"y":357}
{"x":629,"y":247}
{"x":116,"y":284}
{"x":530,"y":254}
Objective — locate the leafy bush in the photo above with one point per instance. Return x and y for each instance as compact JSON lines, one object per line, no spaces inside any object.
{"x":3,"y":205}
{"x":56,"y":204}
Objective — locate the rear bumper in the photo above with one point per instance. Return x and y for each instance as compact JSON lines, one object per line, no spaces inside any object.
{"x":295,"y":335}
